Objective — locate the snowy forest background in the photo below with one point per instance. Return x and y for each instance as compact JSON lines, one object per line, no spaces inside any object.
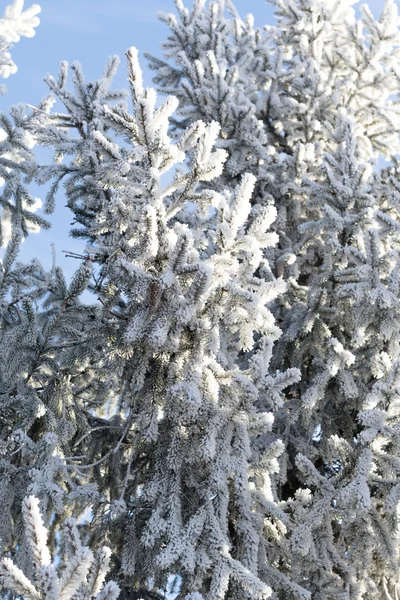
{"x":209,"y":407}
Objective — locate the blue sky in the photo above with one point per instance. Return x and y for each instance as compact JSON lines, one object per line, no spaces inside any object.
{"x":90,"y":31}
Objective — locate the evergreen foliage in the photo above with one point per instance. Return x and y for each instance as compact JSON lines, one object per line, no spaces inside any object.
{"x":222,"y":422}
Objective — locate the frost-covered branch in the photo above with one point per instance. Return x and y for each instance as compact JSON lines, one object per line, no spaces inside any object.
{"x":79,"y":574}
{"x":15,"y":23}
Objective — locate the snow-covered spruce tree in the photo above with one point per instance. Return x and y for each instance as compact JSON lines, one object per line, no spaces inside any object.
{"x":187,"y":482}
{"x":167,"y":429}
{"x":308,"y":106}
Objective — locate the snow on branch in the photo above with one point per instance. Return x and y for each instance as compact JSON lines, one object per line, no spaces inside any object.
{"x":15,"y":23}
{"x":81,"y":574}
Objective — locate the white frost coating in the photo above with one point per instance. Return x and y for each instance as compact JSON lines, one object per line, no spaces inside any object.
{"x":15,"y":579}
{"x":35,"y":531}
{"x":135,"y":70}
{"x":6,"y":226}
